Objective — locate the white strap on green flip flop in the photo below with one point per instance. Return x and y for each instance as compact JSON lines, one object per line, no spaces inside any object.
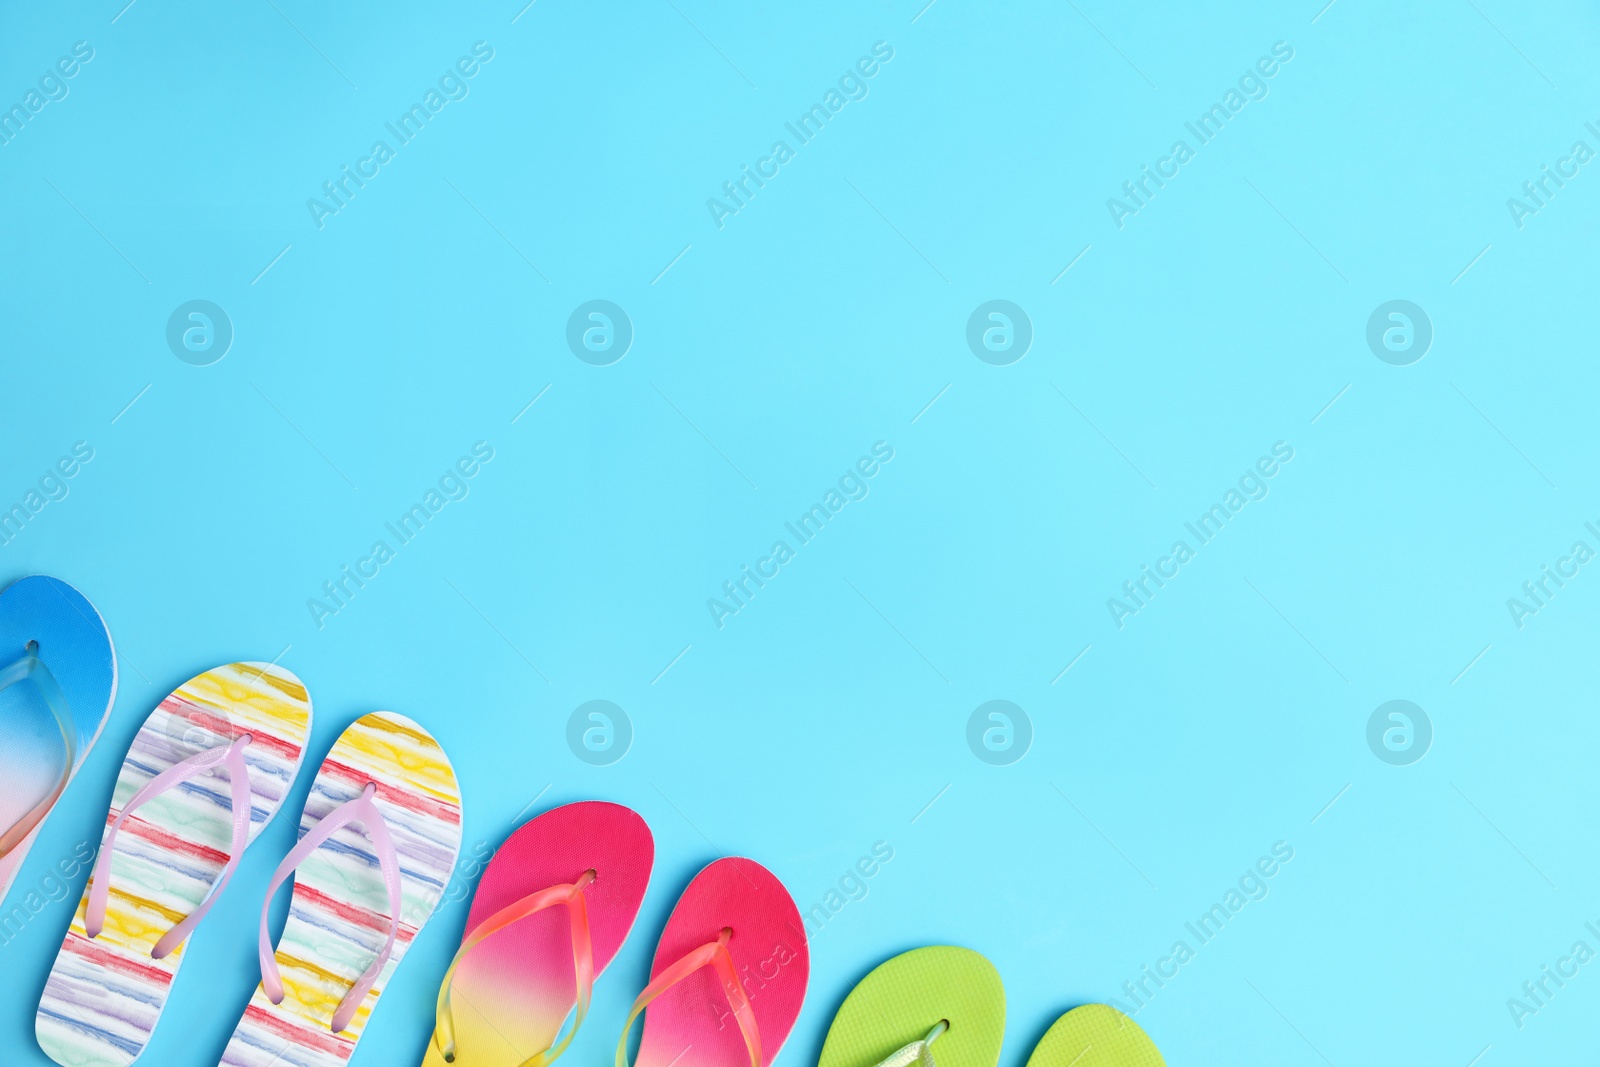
{"x":919,"y":1052}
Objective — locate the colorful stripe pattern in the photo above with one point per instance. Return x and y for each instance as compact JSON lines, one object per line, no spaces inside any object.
{"x":339,"y":914}
{"x":104,"y":996}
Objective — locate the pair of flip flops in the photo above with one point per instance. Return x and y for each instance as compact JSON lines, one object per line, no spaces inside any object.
{"x":556,"y":903}
{"x":946,"y":1006}
{"x":205,"y":774}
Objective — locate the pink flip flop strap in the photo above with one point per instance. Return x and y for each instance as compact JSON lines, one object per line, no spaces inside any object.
{"x":364,"y":811}
{"x":570,"y":894}
{"x":30,"y":667}
{"x":230,"y":756}
{"x":716,"y":954}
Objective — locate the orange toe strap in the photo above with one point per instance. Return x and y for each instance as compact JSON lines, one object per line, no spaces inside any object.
{"x":716,"y":954}
{"x":444,"y":1033}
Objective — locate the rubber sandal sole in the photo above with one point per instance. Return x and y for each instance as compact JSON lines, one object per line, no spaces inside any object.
{"x":690,"y":1025}
{"x":1095,"y":1035}
{"x":904,"y":998}
{"x":74,"y":643}
{"x":511,"y":993}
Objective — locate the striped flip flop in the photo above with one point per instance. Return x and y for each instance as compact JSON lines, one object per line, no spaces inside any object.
{"x":58,"y":679}
{"x":205,"y":774}
{"x":931,"y":1005}
{"x":378,"y":840}
{"x":1095,"y":1035}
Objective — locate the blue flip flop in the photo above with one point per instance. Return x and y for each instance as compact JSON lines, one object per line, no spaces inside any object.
{"x":58,"y":678}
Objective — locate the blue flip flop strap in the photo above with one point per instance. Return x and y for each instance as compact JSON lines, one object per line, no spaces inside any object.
{"x":31,"y":668}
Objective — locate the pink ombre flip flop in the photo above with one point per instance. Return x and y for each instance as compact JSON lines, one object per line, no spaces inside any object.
{"x":553,"y":907}
{"x":734,"y":951}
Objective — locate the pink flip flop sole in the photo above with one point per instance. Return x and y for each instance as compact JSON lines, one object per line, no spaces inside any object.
{"x":512,"y":992}
{"x":692,"y":1024}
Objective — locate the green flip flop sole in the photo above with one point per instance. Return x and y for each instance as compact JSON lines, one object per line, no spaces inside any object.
{"x":905,"y":998}
{"x":1095,"y":1035}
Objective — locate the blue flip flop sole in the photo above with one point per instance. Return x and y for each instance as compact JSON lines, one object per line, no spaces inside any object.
{"x":72,"y":641}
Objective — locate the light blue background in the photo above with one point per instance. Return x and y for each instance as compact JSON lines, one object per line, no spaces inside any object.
{"x":824,"y":317}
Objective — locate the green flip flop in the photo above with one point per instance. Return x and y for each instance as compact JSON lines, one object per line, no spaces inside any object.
{"x":937,"y":1001}
{"x":1095,"y":1035}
